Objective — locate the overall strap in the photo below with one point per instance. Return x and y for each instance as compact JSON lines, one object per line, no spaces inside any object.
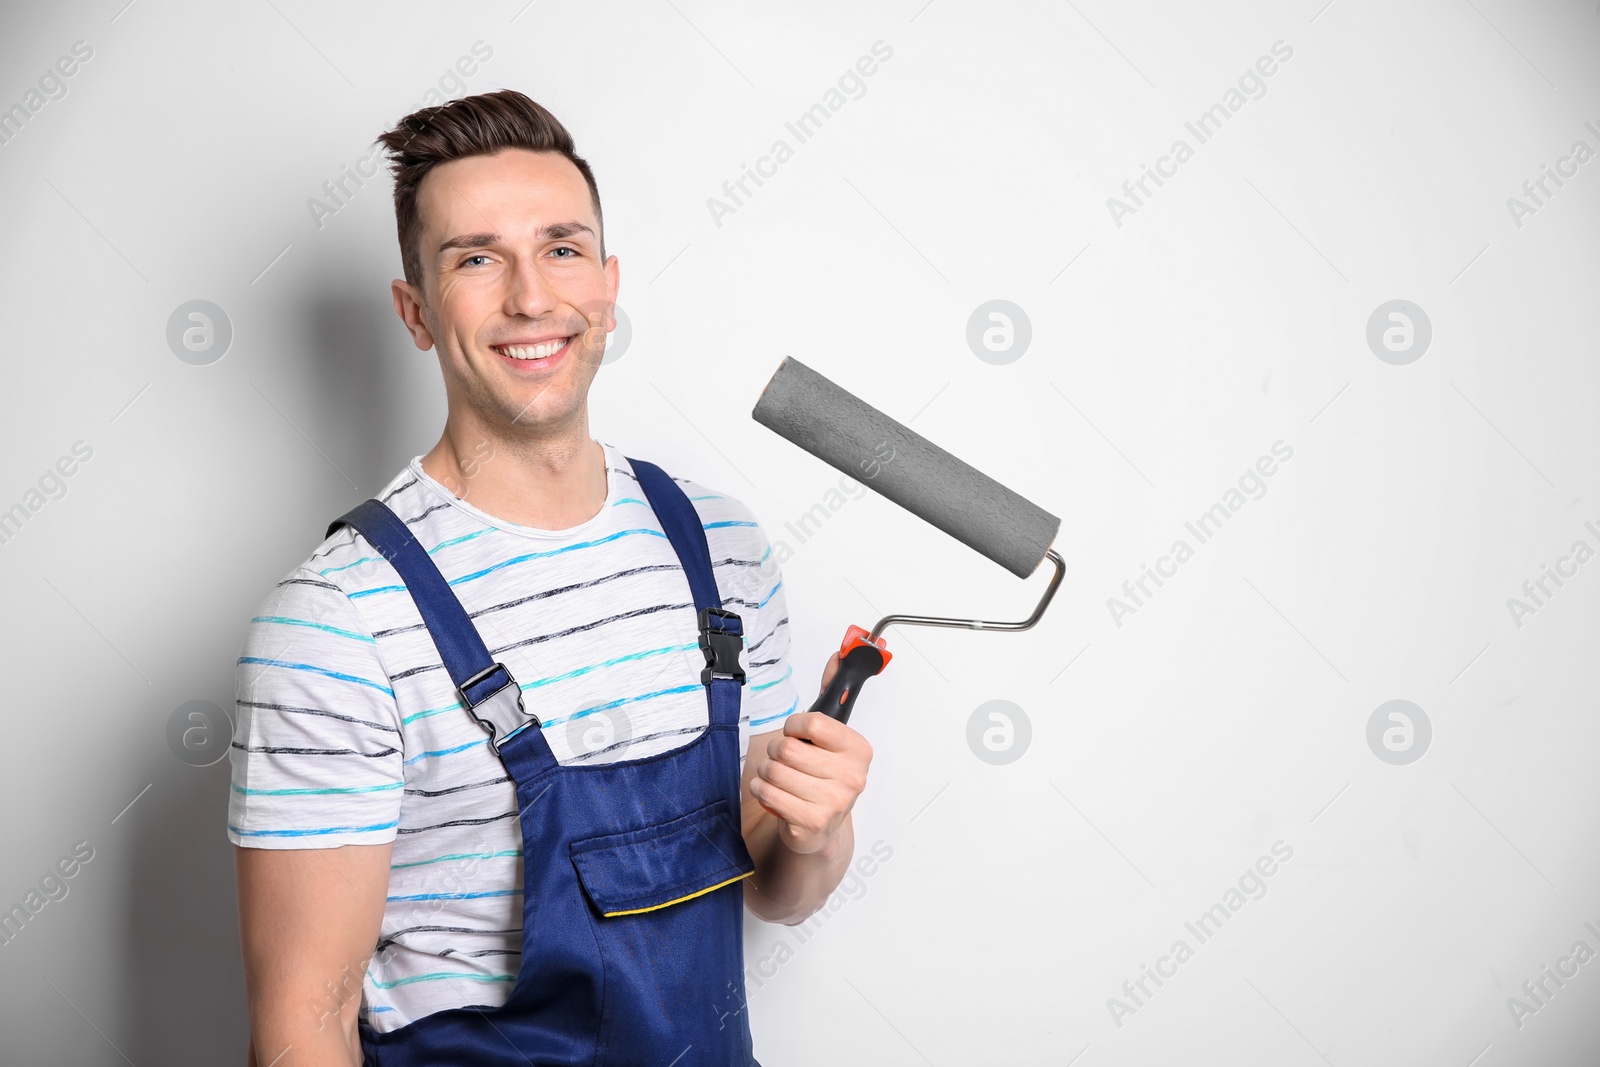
{"x":721,"y":632}
{"x":485,"y":687}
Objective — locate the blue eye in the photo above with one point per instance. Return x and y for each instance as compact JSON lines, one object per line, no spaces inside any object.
{"x":469,"y":259}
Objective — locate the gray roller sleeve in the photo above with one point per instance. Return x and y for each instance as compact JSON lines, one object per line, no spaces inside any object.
{"x":809,"y":410}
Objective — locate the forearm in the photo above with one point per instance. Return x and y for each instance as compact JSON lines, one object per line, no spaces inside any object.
{"x":788,"y":886}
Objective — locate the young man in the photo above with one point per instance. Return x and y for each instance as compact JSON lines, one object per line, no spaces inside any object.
{"x":487,"y":793}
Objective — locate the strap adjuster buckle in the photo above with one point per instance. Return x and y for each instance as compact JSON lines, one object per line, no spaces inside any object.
{"x":494,"y":699}
{"x":721,"y":639}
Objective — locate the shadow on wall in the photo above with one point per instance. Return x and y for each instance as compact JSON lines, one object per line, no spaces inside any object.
{"x":377,"y":400}
{"x":363,"y":365}
{"x":374,"y":401}
{"x":182,"y":981}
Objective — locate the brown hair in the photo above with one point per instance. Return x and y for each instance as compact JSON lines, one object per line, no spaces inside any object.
{"x":472,"y":126}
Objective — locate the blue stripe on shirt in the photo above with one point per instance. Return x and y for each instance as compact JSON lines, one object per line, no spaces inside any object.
{"x":458,"y":856}
{"x":624,"y":700}
{"x":781,"y":714}
{"x":442,"y":545}
{"x":316,"y":670}
{"x":524,"y":558}
{"x":458,"y":896}
{"x":315,"y":832}
{"x":547,"y":723}
{"x":456,"y":705}
{"x":775,"y":681}
{"x":244,"y":791}
{"x":437,"y":976}
{"x":436,"y":548}
{"x":285,"y":621}
{"x":445,"y":751}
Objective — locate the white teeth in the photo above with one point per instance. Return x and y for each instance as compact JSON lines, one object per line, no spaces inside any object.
{"x":541,"y":351}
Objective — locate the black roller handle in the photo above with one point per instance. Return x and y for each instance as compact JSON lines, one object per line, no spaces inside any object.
{"x":859,"y":663}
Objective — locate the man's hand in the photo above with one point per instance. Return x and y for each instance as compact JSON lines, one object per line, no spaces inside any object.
{"x":811,"y":788}
{"x":795,"y":809}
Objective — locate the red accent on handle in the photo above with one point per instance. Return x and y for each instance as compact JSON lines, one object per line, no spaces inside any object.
{"x":857,"y":635}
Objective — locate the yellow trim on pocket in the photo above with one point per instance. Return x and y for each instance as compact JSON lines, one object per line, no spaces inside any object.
{"x":680,"y":900}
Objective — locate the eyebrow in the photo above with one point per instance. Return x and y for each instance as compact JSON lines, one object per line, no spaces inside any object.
{"x":552,"y":232}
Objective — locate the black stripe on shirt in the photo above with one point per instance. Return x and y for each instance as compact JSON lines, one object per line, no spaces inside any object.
{"x":334,"y":548}
{"x":397,"y":490}
{"x":456,"y":788}
{"x":548,"y":637}
{"x":764,"y":640}
{"x":391,"y":938}
{"x":540,"y":596}
{"x":457,"y":822}
{"x":425,"y":514}
{"x":310,"y":581}
{"x":285,"y":751}
{"x":317,"y":711}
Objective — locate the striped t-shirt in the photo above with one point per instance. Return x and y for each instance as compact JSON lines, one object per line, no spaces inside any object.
{"x":349,"y":731}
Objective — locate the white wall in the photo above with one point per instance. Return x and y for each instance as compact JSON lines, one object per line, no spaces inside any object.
{"x":1171,"y":347}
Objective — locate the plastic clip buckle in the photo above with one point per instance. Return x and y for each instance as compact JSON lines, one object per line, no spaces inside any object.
{"x":502,"y":713}
{"x":721,"y":646}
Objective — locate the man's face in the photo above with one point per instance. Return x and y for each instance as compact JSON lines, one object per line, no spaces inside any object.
{"x":518,"y":302}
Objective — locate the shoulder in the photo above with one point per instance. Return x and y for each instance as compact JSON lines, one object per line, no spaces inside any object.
{"x":344,"y":560}
{"x":719,"y":511}
{"x":726,"y":518}
{"x":747,"y":570}
{"x":740,"y":550}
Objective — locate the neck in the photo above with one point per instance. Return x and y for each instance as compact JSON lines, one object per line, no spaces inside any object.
{"x":549,"y":481}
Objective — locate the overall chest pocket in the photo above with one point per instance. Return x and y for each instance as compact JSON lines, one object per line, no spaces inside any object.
{"x":667,"y":914}
{"x":658,"y":866}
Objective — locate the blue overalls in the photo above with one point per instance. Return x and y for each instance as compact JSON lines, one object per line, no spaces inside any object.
{"x":632,"y":920}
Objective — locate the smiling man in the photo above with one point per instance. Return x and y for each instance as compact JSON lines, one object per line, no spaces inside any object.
{"x":517,"y":744}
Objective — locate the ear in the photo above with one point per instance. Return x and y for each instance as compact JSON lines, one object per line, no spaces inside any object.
{"x":408,"y":305}
{"x":613,"y":273}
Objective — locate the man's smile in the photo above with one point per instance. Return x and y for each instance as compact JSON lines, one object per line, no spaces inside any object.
{"x":533,"y":352}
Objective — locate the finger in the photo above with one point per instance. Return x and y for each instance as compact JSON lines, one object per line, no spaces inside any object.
{"x":822,"y":730}
{"x":797,"y":783}
{"x":786,"y":806}
{"x":796,"y":752}
{"x":799,"y":751}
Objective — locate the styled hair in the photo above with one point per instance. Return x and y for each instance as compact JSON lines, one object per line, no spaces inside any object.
{"x":471,"y":126}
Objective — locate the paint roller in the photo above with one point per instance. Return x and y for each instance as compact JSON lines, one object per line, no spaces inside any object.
{"x":838,"y":428}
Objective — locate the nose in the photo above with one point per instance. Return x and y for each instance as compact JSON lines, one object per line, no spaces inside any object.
{"x":528,"y":293}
